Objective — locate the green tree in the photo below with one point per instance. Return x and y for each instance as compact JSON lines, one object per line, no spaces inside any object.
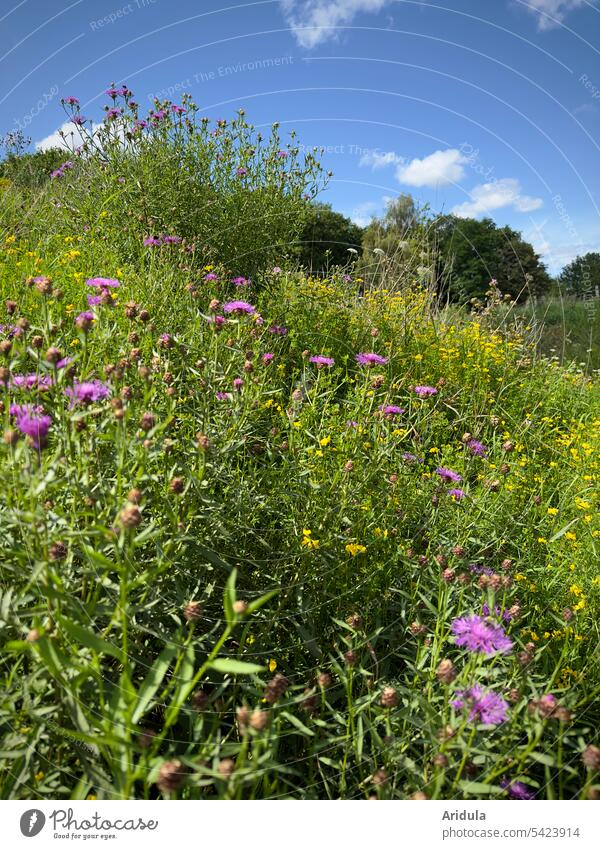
{"x":397,"y":248}
{"x":326,"y":239}
{"x":472,"y":252}
{"x":582,"y":276}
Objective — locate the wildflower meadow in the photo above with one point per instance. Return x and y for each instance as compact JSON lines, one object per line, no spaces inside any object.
{"x":268,"y":535}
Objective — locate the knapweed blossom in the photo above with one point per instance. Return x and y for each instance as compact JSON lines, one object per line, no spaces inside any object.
{"x":32,"y":422}
{"x":390,"y":410}
{"x":370,"y":359}
{"x":87,"y":392}
{"x":31,"y":381}
{"x":476,"y":448}
{"x":103,"y":282}
{"x":480,"y":635}
{"x":425,"y":391}
{"x":278,"y":330}
{"x":486,"y":706}
{"x":456,"y":494}
{"x":240,"y":281}
{"x":239,"y":307}
{"x":322,"y":362}
{"x":448,"y":474}
{"x":517,"y":790}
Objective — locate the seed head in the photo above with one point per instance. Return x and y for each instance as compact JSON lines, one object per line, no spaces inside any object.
{"x":58,"y":551}
{"x":53,"y":355}
{"x":177,"y":485}
{"x":275,"y":688}
{"x":171,"y":776}
{"x":259,"y":719}
{"x":389,"y":698}
{"x":130,"y":516}
{"x":446,"y":671}
{"x":193,"y":611}
{"x":591,"y":758}
{"x":226,"y":767}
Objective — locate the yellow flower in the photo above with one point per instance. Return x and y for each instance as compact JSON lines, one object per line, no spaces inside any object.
{"x":354,"y":549}
{"x":325,"y":441}
{"x":38,"y":776}
{"x":552,"y":511}
{"x":272,"y":665}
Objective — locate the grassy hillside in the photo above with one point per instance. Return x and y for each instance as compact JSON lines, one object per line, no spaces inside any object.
{"x":266,"y":538}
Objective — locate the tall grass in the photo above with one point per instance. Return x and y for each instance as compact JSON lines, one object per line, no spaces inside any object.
{"x":240,"y":562}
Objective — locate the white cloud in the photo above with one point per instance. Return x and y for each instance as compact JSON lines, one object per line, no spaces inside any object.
{"x":486,"y":197}
{"x":55,"y":139}
{"x":378,"y":159}
{"x":311,"y":20}
{"x":364,"y":212}
{"x":551,"y":13}
{"x":438,"y":169}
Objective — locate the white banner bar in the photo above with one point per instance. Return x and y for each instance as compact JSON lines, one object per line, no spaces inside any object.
{"x":298,"y":825}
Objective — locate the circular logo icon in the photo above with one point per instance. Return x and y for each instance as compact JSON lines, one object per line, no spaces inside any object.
{"x":32,"y":822}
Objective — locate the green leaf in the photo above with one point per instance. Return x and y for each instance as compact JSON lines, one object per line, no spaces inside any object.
{"x":229,"y":597}
{"x":564,"y":530}
{"x":297,"y":724}
{"x":479,"y":788}
{"x":231,"y":666}
{"x":87,"y":638}
{"x":152,"y":681}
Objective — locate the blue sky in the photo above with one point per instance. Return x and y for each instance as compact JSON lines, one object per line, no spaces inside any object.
{"x":477,"y":108}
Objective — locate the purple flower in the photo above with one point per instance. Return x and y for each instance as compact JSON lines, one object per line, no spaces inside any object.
{"x":352,"y":423}
{"x":240,"y":281}
{"x":79,"y":120}
{"x":448,"y":474}
{"x":425,"y":391}
{"x":111,"y":114}
{"x":456,"y":494}
{"x":278,"y":330}
{"x":282,"y":154}
{"x":178,"y":110}
{"x":103,"y":282}
{"x":31,"y":381}
{"x":276,"y":270}
{"x":87,"y":392}
{"x":370,"y":359}
{"x":71,"y":101}
{"x":140,"y":125}
{"x":239,"y":306}
{"x":517,"y":790}
{"x":33,"y":422}
{"x":171,"y":240}
{"x":64,"y":362}
{"x":486,"y":706}
{"x":56,"y":174}
{"x":151,"y":241}
{"x":220,"y":320}
{"x":266,"y":358}
{"x":84,"y":320}
{"x":480,"y":635}
{"x":321,"y":361}
{"x":238,"y":383}
{"x":241,"y":172}
{"x":477,"y":448}
{"x":223,"y":396}
{"x":211,"y":276}
{"x":411,"y":458}
{"x":94,"y":300}
{"x":389,"y":410}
